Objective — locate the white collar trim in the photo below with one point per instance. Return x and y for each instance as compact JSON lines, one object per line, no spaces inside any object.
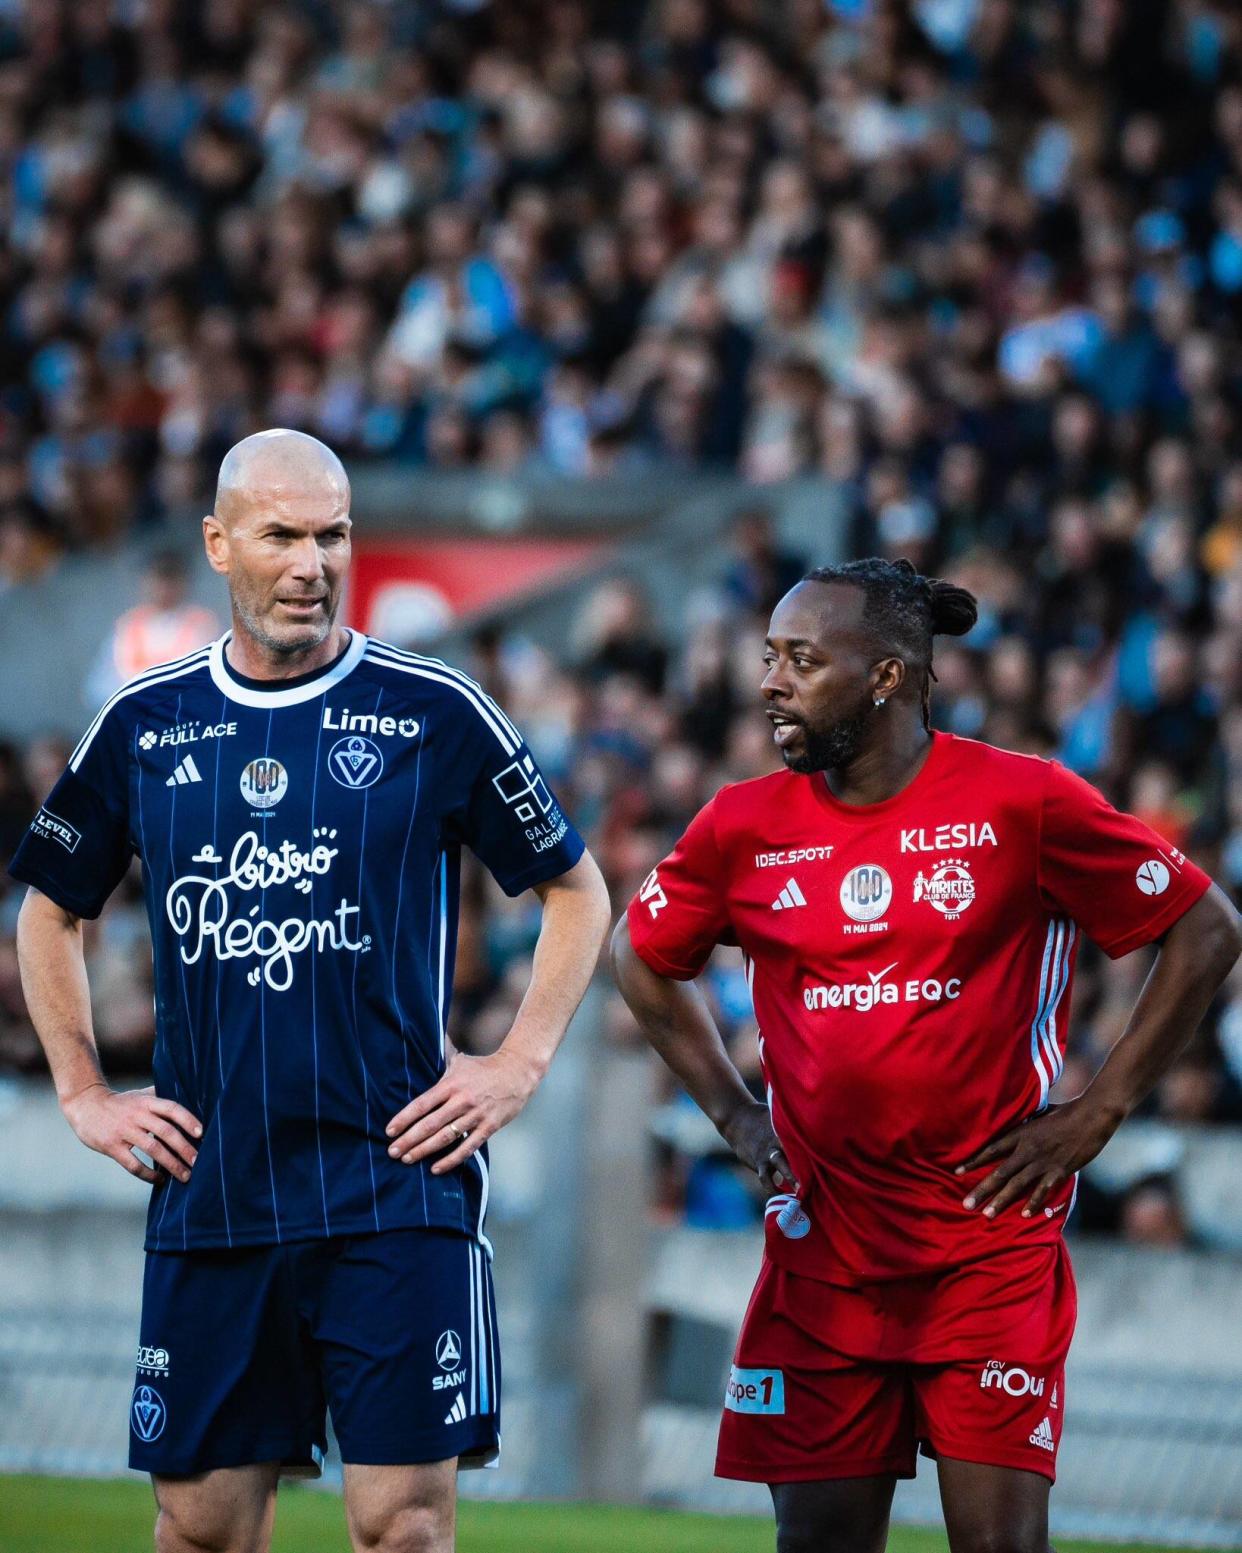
{"x":235,"y":691}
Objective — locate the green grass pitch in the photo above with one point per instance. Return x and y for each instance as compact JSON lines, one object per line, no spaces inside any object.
{"x":66,"y":1515}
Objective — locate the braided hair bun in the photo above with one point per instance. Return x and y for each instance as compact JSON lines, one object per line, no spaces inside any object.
{"x":953,"y":610}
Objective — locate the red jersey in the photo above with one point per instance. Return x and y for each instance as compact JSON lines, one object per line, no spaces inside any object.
{"x":910,"y":963}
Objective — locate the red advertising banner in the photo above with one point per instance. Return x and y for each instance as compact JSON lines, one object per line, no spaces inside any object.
{"x":405,"y":591}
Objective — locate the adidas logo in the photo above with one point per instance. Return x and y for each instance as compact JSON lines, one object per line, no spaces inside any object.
{"x":184,"y":771}
{"x":457,"y":1413}
{"x":1043,"y":1436}
{"x":789,"y":897}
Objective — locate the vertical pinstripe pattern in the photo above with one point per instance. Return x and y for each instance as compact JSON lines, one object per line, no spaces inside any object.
{"x":353,"y":1008}
{"x":443,"y":949}
{"x":142,"y":842}
{"x":323,"y":1183}
{"x":267,"y":1131}
{"x":396,"y":920}
{"x":218,"y":1118}
{"x":185,"y":991}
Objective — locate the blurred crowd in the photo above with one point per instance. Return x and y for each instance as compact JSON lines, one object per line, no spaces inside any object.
{"x":974,"y":265}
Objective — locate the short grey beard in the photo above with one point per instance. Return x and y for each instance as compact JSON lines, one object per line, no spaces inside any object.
{"x":273,"y":644}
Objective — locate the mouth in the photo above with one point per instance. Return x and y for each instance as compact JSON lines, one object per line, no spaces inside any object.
{"x":785,"y":729}
{"x":301,"y":606}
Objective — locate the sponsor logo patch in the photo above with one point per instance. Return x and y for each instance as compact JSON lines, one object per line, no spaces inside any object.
{"x":200,"y":908}
{"x":865,"y":995}
{"x":949,"y":888}
{"x":526,"y":793}
{"x":1011,"y":1379}
{"x":345,"y":721}
{"x":184,"y":771}
{"x":945,"y":838}
{"x":755,"y":1391}
{"x":1043,"y":1436}
{"x":153,"y":1361}
{"x":1152,"y":877}
{"x":185,"y":733}
{"x":789,"y":897}
{"x":448,"y":1350}
{"x":794,"y":855}
{"x":52,"y":828}
{"x":652,"y":894}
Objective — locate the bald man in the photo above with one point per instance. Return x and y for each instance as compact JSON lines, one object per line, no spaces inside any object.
{"x":299,"y":796}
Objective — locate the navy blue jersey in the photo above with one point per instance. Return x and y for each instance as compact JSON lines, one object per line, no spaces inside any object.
{"x":300,"y":843}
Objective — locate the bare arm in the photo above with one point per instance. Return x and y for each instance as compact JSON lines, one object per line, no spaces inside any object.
{"x":677,"y":1022}
{"x":478,"y":1095}
{"x":1197,"y":953}
{"x":53,"y":971}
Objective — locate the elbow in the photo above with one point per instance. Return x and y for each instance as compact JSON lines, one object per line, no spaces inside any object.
{"x":1214,"y":929}
{"x":619,"y":949}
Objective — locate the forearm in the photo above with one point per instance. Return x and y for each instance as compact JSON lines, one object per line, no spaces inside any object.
{"x":575,"y":919}
{"x":676,"y":1021}
{"x":53,"y":972}
{"x":1198,"y":953}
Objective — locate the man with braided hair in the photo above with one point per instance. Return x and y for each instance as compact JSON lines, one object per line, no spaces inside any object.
{"x":909,"y":906}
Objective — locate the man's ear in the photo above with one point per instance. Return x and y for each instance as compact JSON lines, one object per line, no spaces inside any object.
{"x":887,"y":678}
{"x":216,"y":543}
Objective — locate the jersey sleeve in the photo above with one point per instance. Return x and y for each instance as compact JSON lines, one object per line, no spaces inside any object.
{"x":78,"y":846}
{"x":512,"y":820}
{"x":679,"y":915}
{"x":1123,"y":884}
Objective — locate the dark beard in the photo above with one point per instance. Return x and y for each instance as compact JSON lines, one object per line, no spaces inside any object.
{"x":833,"y":748}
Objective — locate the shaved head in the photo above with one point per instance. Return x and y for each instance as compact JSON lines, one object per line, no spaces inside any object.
{"x":280,"y":535}
{"x":277,"y":464}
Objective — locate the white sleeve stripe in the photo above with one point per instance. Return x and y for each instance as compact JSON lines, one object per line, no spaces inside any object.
{"x":152,"y":677}
{"x":418,"y":660}
{"x":477,"y":701}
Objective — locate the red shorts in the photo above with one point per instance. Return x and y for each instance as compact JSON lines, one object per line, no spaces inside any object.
{"x":831,"y":1382}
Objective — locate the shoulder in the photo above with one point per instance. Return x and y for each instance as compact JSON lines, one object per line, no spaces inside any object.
{"x":423,"y":680}
{"x":150,"y":689}
{"x":739,"y":806}
{"x":1015,"y":773}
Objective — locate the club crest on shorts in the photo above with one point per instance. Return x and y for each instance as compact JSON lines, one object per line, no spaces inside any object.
{"x":147,"y":1414}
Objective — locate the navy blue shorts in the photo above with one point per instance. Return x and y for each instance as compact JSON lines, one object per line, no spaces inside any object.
{"x":243,"y":1353}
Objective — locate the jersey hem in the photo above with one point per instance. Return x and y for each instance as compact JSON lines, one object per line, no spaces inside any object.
{"x":54,"y":891}
{"x":1151,"y":930}
{"x":1001,"y":1457}
{"x":662,"y":967}
{"x":540,"y":873}
{"x":364,"y":1225}
{"x":813,"y":1472}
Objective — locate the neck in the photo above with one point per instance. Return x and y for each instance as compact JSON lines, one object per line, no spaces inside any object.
{"x":256,"y":660}
{"x":889,"y":761}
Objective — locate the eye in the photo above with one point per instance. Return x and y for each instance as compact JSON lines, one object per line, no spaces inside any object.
{"x":802,"y":662}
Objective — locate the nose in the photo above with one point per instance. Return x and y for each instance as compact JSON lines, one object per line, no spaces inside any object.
{"x":773,"y":684}
{"x":308,"y":560}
